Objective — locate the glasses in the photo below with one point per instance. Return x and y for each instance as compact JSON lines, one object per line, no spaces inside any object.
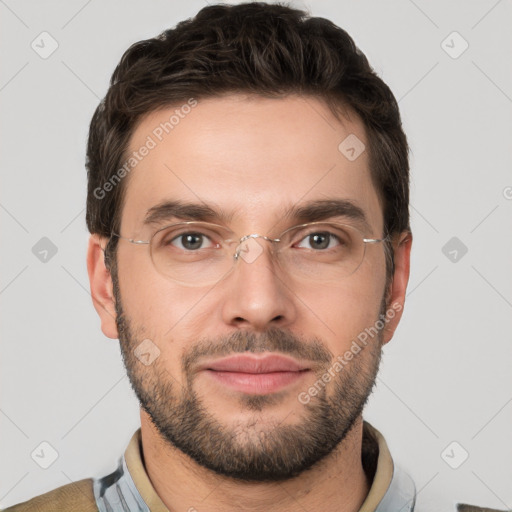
{"x":197,"y":253}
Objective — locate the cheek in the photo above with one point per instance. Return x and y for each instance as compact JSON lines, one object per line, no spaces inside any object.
{"x":343,"y":311}
{"x":156,"y":306}
{"x":157,"y":311}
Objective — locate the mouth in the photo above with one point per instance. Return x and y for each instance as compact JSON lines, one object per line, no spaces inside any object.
{"x":256,"y":375}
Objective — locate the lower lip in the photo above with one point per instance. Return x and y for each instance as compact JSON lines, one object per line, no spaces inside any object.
{"x":257,"y":383}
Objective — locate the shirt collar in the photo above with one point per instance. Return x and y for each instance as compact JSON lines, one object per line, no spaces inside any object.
{"x":392,"y":488}
{"x":129,"y":489}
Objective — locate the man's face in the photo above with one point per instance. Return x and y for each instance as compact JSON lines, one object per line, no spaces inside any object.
{"x":253,"y":159}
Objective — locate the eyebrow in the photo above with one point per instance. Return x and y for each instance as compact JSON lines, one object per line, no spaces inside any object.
{"x":312,"y":211}
{"x":327,"y":209}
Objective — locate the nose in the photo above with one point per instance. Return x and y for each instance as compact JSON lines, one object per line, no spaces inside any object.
{"x":257,"y":295}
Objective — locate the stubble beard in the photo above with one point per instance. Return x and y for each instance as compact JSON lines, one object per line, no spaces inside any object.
{"x":256,"y":449}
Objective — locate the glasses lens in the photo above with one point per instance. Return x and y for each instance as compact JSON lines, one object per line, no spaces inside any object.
{"x":192,"y":253}
{"x":321,"y":251}
{"x":200,"y":253}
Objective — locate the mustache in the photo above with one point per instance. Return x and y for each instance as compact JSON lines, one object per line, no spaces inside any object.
{"x":272,"y":340}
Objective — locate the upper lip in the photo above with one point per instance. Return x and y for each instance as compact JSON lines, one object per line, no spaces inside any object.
{"x":254,"y":364}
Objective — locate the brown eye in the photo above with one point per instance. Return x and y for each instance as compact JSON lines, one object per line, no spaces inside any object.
{"x":184,"y":240}
{"x":319,"y":241}
{"x":189,"y":241}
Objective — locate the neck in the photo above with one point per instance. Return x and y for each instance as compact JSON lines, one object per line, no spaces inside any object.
{"x":336,"y":483}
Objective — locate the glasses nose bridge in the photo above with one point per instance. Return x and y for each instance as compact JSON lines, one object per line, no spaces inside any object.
{"x":239,"y":247}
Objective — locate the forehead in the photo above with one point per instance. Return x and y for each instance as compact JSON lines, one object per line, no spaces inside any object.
{"x":250,"y":158}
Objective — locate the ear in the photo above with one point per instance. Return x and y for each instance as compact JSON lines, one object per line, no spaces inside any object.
{"x":101,"y":286}
{"x":398,"y":286}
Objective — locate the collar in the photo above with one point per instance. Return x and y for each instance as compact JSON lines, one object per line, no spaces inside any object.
{"x":392,"y":488}
{"x":128,"y":489}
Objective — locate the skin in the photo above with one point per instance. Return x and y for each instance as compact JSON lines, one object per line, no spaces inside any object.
{"x":252,"y":156}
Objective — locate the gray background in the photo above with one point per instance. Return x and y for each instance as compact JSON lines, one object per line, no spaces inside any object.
{"x":445,"y":376}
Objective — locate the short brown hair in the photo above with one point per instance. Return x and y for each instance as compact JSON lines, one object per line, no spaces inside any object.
{"x":257,"y":48}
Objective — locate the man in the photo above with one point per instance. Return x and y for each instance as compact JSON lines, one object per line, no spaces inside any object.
{"x":250,"y":246}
